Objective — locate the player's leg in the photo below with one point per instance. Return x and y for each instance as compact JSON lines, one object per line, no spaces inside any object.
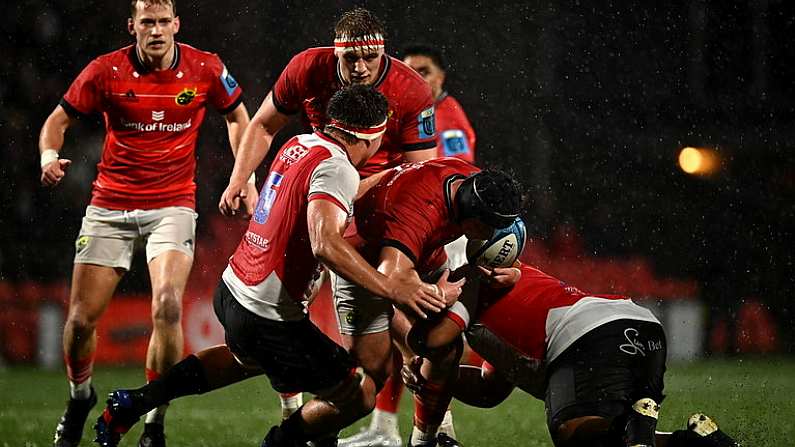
{"x":92,"y":289}
{"x":103,"y":251}
{"x":432,"y":400}
{"x":481,"y":386}
{"x":383,"y":429}
{"x":592,"y":387}
{"x":198,"y":373}
{"x":170,"y":244}
{"x":364,"y":323}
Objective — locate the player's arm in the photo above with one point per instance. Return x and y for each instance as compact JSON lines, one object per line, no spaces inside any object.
{"x":51,"y":141}
{"x":254,"y":146}
{"x":236,"y":122}
{"x":326,"y":223}
{"x":419,"y":155}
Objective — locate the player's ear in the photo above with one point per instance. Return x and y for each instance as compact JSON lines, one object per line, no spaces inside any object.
{"x":176,"y":24}
{"x":131,"y":26}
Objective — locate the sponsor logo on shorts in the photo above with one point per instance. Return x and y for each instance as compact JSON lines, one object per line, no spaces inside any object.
{"x":633,"y":346}
{"x":188,"y":243}
{"x":186,"y":96}
{"x":350,"y":317}
{"x":82,"y":243}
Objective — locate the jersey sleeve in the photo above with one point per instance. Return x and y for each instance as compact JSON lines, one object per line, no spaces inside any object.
{"x":336,"y":180}
{"x":225,"y":93}
{"x":418,"y":130}
{"x":85,"y":94}
{"x":288,"y":90}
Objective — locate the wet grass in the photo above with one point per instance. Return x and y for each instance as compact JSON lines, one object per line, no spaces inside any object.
{"x":752,"y":399}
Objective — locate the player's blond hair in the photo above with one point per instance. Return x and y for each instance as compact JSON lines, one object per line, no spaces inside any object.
{"x":358,"y":23}
{"x":172,"y":3}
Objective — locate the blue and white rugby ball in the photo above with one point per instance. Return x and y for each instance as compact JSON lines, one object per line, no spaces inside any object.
{"x":501,"y":250}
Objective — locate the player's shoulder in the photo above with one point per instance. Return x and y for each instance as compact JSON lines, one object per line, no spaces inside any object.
{"x":197,"y":58}
{"x":449,"y":102}
{"x":116,"y":57}
{"x":404,"y":79}
{"x":315,"y":56}
{"x":193,"y":52}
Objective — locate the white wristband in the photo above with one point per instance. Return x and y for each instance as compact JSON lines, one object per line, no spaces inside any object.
{"x":48,"y":156}
{"x":253,"y":178}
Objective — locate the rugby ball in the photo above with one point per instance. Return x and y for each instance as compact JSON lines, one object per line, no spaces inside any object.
{"x":501,"y":250}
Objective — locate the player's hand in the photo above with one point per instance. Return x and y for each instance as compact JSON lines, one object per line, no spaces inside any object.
{"x":501,"y":277}
{"x":233,"y":200}
{"x":250,"y":201}
{"x":409,"y":290}
{"x":450,"y":290}
{"x":52,"y":173}
{"x":411,"y":375}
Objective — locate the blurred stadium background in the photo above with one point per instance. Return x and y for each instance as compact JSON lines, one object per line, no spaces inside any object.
{"x":592,"y":107}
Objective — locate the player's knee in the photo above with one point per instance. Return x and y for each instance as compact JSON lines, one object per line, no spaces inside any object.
{"x":354,"y":395}
{"x":82,"y":320}
{"x":166,"y":306}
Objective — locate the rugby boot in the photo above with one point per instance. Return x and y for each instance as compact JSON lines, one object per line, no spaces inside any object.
{"x":705,"y":427}
{"x":153,"y":436}
{"x":117,"y":418}
{"x":70,"y":427}
{"x":642,"y":423}
{"x":445,"y":440}
{"x":371,"y":438}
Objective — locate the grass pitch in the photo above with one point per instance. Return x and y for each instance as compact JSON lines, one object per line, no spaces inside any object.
{"x":752,"y":400}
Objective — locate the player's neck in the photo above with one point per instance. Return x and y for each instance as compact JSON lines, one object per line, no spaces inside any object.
{"x":155,"y":63}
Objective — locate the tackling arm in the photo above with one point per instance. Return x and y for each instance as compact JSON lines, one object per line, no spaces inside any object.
{"x":326,"y":224}
{"x":51,"y":138}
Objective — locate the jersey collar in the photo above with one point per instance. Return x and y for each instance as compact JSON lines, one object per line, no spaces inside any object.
{"x":448,"y":193}
{"x":141,"y":68}
{"x":324,"y":136}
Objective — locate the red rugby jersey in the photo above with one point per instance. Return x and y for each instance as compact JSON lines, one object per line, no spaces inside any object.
{"x":312,"y":77}
{"x":455,"y":136}
{"x":152,"y":120}
{"x":411,"y":209}
{"x":540,"y":316}
{"x":273,"y":265}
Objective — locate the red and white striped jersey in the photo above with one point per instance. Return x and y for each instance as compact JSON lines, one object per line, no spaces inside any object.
{"x":273,"y":266}
{"x":541,"y":315}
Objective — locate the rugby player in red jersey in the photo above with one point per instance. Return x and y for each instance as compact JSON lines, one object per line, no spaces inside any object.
{"x":261,"y":301}
{"x":597,"y":360}
{"x":454,"y":138}
{"x":454,"y":134}
{"x":312,"y":76}
{"x":153,"y":96}
{"x":403,"y":223}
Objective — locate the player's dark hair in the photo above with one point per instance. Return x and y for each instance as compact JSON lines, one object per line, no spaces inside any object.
{"x":493,"y":197}
{"x":428,"y":51}
{"x":359,"y":22}
{"x":173,"y":4}
{"x":357,"y":106}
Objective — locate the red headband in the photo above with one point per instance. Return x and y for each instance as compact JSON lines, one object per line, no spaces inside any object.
{"x":346,"y":43}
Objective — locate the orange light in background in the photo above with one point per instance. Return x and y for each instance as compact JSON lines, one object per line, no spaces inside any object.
{"x":699,"y":161}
